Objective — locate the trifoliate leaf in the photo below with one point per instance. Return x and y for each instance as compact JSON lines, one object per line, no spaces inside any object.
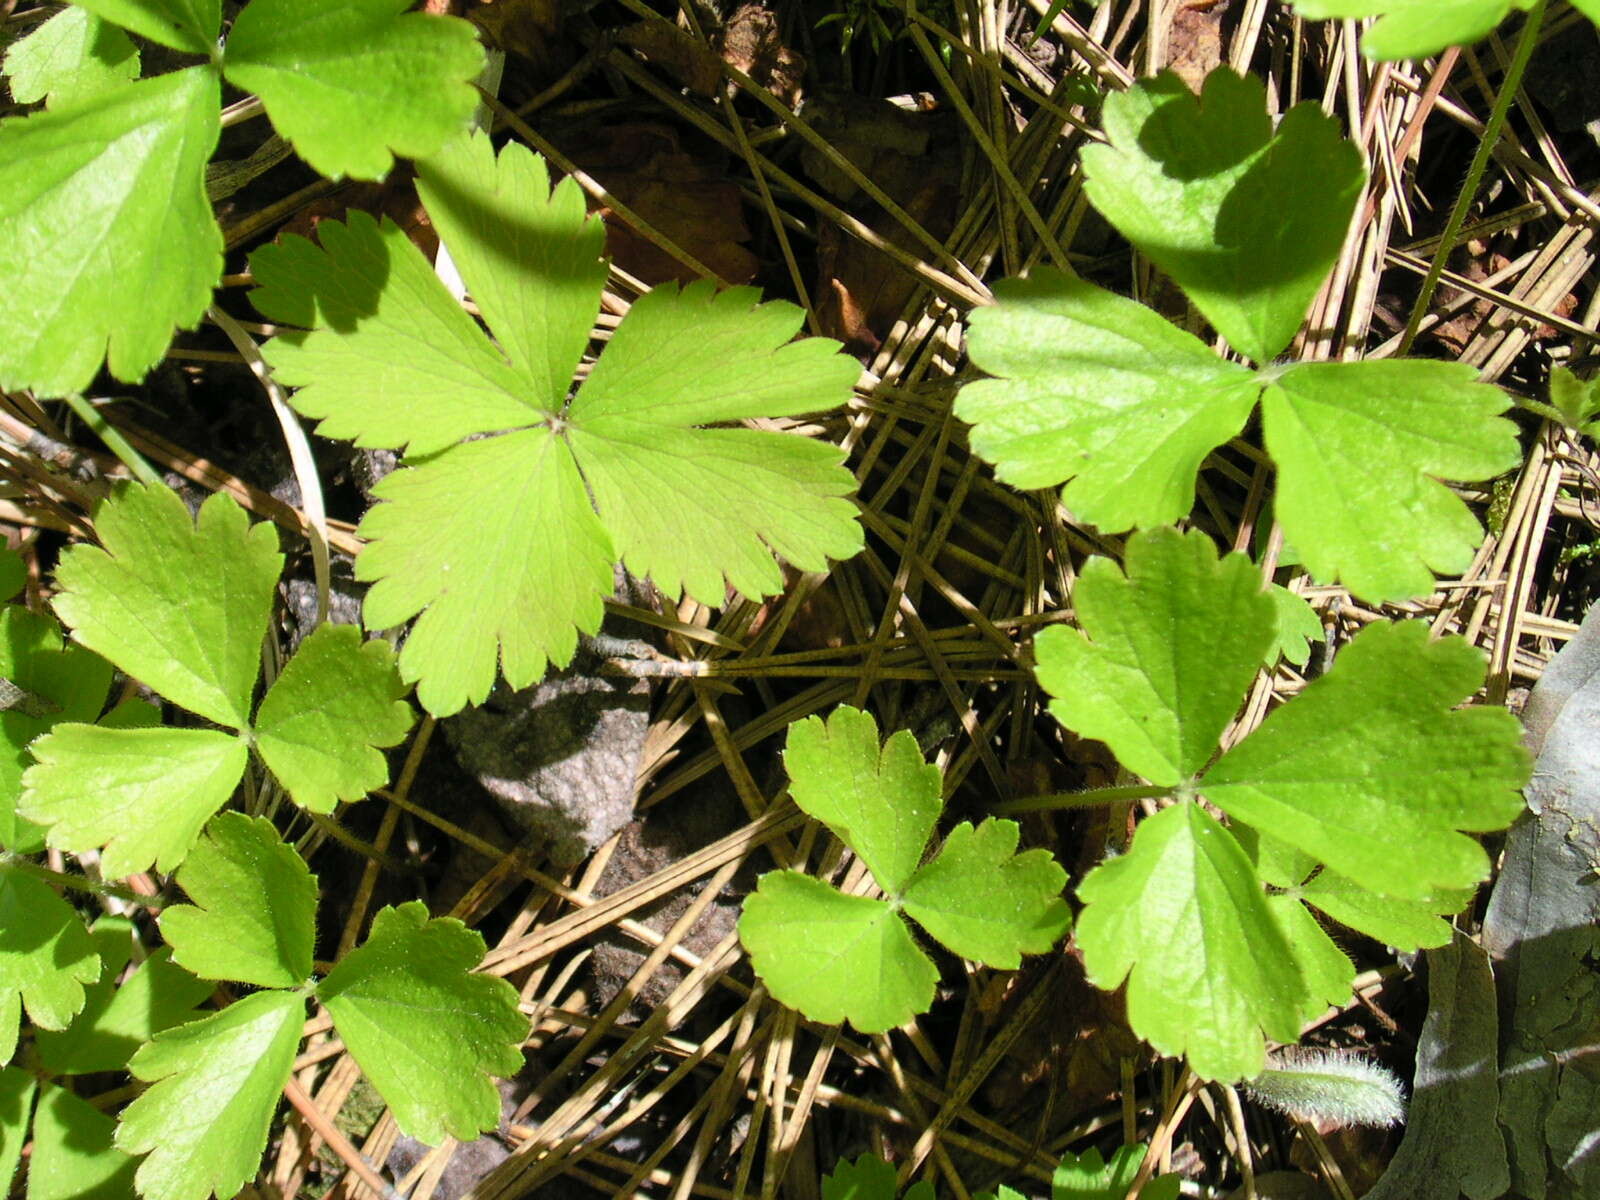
{"x":118,"y":1018}
{"x":1098,"y":390}
{"x":882,"y":803}
{"x":1103,"y":393}
{"x":985,"y":901}
{"x":427,"y":1031}
{"x":690,"y":507}
{"x":835,"y":957}
{"x":74,"y":680}
{"x":46,"y":956}
{"x":1182,"y":917}
{"x":215,"y":1085}
{"x":1577,"y":400}
{"x":142,"y":794}
{"x":320,"y":727}
{"x":869,"y":1178}
{"x":257,"y":906}
{"x":1415,"y":28}
{"x":1091,"y":1177}
{"x":1174,"y":646}
{"x":100,"y":198}
{"x":1372,"y":769}
{"x":1360,"y":449}
{"x":1330,"y":1087}
{"x":73,"y":1155}
{"x":1298,"y":627}
{"x":1247,"y":219}
{"x":187,"y":25}
{"x":72,"y":56}
{"x":17,"y":1088}
{"x":179,"y":603}
{"x":353,"y":84}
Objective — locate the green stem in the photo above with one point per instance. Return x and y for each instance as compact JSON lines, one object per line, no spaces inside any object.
{"x":1526,"y":42}
{"x":112,"y":437}
{"x":80,"y":883}
{"x":1090,"y":799}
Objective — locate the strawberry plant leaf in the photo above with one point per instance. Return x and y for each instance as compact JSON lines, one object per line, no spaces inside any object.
{"x":985,"y":901}
{"x":839,"y":957}
{"x":1175,"y":643}
{"x":320,"y":726}
{"x":1183,"y":919}
{"x":1577,"y":400}
{"x":118,"y":1018}
{"x":1404,"y":924}
{"x":678,"y":360}
{"x":215,"y":1084}
{"x":426,"y":1030}
{"x":1308,"y":776}
{"x":73,"y":1154}
{"x":1091,"y":1177}
{"x":142,"y":794}
{"x":1416,"y":28}
{"x":17,"y":1089}
{"x":97,"y":197}
{"x":72,"y":56}
{"x":13,"y":573}
{"x":1246,"y":218}
{"x":1360,"y":448}
{"x":254,"y":916}
{"x":869,"y":1178}
{"x":188,"y":25}
{"x":353,"y":84}
{"x":1096,"y":389}
{"x":46,"y":957}
{"x":883,"y":804}
{"x":1325,"y":970}
{"x":74,"y":679}
{"x":179,"y":603}
{"x":1298,"y":627}
{"x":835,"y":957}
{"x":1103,"y":393}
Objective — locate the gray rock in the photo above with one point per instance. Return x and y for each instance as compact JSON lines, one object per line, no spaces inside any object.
{"x":560,"y":757}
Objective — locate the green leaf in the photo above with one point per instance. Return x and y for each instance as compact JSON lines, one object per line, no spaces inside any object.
{"x":1298,"y":627}
{"x":74,"y":679}
{"x":1372,"y":769}
{"x":696,"y":509}
{"x":320,"y":727}
{"x":1090,"y":1177}
{"x":1360,"y":449}
{"x":13,"y":573}
{"x":427,"y":1032}
{"x":118,"y":1018}
{"x":142,"y":794}
{"x":869,"y":1178}
{"x":1577,"y":400}
{"x":1330,"y":1087}
{"x":1415,"y":28}
{"x":882,"y":803}
{"x":835,"y":957}
{"x":1165,"y":655}
{"x":1326,"y":970}
{"x":188,"y":25}
{"x":72,"y":56}
{"x":1184,"y":920}
{"x":1098,"y":390}
{"x":1247,"y":219}
{"x":1404,"y":924}
{"x":99,"y":197}
{"x":257,"y":906}
{"x":73,"y":1155}
{"x":215,"y":1086}
{"x":355,"y":83}
{"x":46,"y":956}
{"x":17,"y":1088}
{"x":985,"y":901}
{"x":178,"y":603}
